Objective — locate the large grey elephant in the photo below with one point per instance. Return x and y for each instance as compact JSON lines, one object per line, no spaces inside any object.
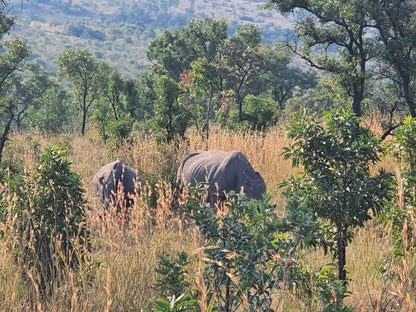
{"x":223,"y":171}
{"x":109,"y":180}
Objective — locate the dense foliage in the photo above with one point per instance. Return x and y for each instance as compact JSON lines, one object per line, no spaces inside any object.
{"x":336,"y":185}
{"x":363,"y":44}
{"x":43,"y":217}
{"x":246,"y":259}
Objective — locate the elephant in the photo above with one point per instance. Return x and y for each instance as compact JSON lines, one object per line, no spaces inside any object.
{"x":116,"y":184}
{"x":222,"y":172}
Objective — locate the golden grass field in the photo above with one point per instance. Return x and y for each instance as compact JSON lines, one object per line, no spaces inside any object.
{"x":120,"y":274}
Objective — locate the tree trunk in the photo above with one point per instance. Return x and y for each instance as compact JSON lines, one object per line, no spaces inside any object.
{"x":279,"y":96}
{"x":342,"y":259}
{"x":356,"y":105}
{"x":240,"y":107}
{"x":408,"y":96}
{"x":169,"y":129}
{"x":208,"y":115}
{"x":227,"y":306}
{"x":358,"y":86}
{"x":84,"y":121}
{"x":114,"y":106}
{"x":4,"y":136}
{"x":84,"y":108}
{"x":240,"y":100}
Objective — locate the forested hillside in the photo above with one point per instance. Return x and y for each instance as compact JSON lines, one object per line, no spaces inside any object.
{"x":119,"y":32}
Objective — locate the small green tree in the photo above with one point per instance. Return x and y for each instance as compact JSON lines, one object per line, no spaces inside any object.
{"x":280,"y":79}
{"x":336,"y":185}
{"x":204,"y":84}
{"x":173,"y":280}
{"x":172,"y":116}
{"x":176,"y":51}
{"x":242,"y":57}
{"x":44,"y":210}
{"x":88,"y":75}
{"x":114,"y":94}
{"x":113,"y":131}
{"x":49,"y":103}
{"x":54,"y":112}
{"x":227,"y":115}
{"x":141,"y":96}
{"x":259,"y":113}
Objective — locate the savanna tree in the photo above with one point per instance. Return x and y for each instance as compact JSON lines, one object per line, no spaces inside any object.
{"x":336,"y":186}
{"x":140,"y":96}
{"x":350,"y":39}
{"x":12,"y":53}
{"x":88,"y":76}
{"x":174,"y":52}
{"x":115,"y":93}
{"x":335,"y":37}
{"x":242,"y":57}
{"x":171,"y":116}
{"x":205,"y":85}
{"x":396,"y":25}
{"x":280,"y":79}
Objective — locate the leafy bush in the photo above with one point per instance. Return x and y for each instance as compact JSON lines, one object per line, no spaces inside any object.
{"x":260,"y":112}
{"x":43,"y":216}
{"x":227,"y":115}
{"x":173,"y":275}
{"x":172,"y":116}
{"x":53,"y":112}
{"x":320,"y":290}
{"x":114,"y":132}
{"x":247,"y":259}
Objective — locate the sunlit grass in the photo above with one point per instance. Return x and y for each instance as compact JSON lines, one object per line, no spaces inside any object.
{"x":119,"y":274}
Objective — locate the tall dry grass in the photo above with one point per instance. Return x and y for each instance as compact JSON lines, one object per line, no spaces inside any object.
{"x":120,"y":272}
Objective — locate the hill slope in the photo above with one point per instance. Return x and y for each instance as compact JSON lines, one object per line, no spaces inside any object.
{"x":119,"y":31}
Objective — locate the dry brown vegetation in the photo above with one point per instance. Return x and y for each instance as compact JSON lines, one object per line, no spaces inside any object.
{"x":120,"y":272}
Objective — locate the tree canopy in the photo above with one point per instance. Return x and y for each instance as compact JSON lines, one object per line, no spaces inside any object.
{"x":88,"y":75}
{"x":12,"y":53}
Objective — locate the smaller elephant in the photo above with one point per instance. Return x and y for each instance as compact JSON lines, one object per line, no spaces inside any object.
{"x":116,"y":184}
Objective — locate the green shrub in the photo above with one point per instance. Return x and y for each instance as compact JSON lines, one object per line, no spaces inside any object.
{"x":260,"y":112}
{"x":173,"y":275}
{"x":321,"y":290}
{"x":43,"y":217}
{"x":332,"y":291}
{"x":247,"y":258}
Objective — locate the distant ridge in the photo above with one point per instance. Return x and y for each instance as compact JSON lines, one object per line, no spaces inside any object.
{"x":119,"y":31}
